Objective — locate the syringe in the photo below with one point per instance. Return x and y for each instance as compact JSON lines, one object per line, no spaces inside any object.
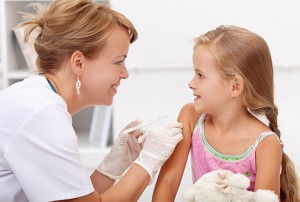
{"x":143,"y":125}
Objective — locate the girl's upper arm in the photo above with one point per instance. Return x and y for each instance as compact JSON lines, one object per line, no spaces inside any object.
{"x":268,"y":164}
{"x":171,"y":172}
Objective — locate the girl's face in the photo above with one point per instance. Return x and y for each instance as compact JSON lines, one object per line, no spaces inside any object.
{"x":103,"y":74}
{"x":211,"y":91}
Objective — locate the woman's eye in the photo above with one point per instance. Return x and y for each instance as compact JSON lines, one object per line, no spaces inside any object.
{"x":119,"y":62}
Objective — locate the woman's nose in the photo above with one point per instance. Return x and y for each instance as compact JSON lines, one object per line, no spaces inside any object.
{"x":124,"y":73}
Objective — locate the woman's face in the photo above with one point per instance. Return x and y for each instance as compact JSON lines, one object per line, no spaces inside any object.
{"x":102,"y":75}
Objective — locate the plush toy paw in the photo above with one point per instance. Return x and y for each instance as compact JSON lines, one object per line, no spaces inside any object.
{"x":225,"y":186}
{"x":228,"y":181}
{"x":265,"y":195}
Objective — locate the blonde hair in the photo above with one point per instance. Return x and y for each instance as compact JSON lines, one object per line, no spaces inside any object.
{"x":238,"y":51}
{"x":69,"y":25}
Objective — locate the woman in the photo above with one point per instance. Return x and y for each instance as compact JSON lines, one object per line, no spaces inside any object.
{"x":81,"y":49}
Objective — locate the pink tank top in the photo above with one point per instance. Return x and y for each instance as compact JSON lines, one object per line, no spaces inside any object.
{"x":205,"y":159}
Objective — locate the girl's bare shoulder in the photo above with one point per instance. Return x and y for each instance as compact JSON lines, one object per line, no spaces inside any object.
{"x":188,"y":115}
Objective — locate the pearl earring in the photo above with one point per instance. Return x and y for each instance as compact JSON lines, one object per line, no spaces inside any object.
{"x":78,"y":84}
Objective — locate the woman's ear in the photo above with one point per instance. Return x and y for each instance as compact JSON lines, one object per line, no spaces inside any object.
{"x":77,"y":62}
{"x":237,"y":86}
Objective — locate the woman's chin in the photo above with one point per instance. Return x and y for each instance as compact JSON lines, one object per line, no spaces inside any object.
{"x":107,"y":102}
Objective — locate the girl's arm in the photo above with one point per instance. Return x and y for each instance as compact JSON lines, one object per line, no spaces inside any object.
{"x":171,"y":172}
{"x":268,"y":162}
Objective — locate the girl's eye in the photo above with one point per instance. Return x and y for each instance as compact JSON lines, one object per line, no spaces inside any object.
{"x":200,"y":76}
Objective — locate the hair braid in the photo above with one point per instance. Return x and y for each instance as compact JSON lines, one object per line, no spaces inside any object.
{"x":289,"y":181}
{"x":271,"y":115}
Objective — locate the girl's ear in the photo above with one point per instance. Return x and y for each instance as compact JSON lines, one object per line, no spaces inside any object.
{"x":237,"y":86}
{"x":77,"y":62}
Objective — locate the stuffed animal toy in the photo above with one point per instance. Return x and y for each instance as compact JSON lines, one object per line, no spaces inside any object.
{"x":225,"y":186}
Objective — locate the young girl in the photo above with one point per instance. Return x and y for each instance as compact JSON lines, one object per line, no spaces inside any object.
{"x":233,"y":81}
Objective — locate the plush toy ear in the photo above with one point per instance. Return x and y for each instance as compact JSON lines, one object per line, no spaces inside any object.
{"x":239,"y":181}
{"x":228,"y":181}
{"x":265,"y":195}
{"x":223,"y":180}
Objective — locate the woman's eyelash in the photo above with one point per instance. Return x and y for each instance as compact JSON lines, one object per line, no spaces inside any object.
{"x":119,"y":62}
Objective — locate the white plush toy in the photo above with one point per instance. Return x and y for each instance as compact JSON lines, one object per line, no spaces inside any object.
{"x":225,"y":186}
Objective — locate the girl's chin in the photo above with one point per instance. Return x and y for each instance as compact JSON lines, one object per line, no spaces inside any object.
{"x":198,"y":108}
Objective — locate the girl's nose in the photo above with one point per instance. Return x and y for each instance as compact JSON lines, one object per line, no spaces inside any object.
{"x":191,"y":85}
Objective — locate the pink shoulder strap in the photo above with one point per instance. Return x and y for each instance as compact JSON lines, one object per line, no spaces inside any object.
{"x":263,"y":135}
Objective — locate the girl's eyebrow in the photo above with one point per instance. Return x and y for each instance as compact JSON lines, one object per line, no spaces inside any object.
{"x":198,"y":70}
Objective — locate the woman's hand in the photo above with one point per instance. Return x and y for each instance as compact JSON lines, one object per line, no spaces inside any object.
{"x":159,"y":144}
{"x":122,"y":154}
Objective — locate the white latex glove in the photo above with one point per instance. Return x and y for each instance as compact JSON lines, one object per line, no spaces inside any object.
{"x":158,"y":146}
{"x":122,"y":154}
